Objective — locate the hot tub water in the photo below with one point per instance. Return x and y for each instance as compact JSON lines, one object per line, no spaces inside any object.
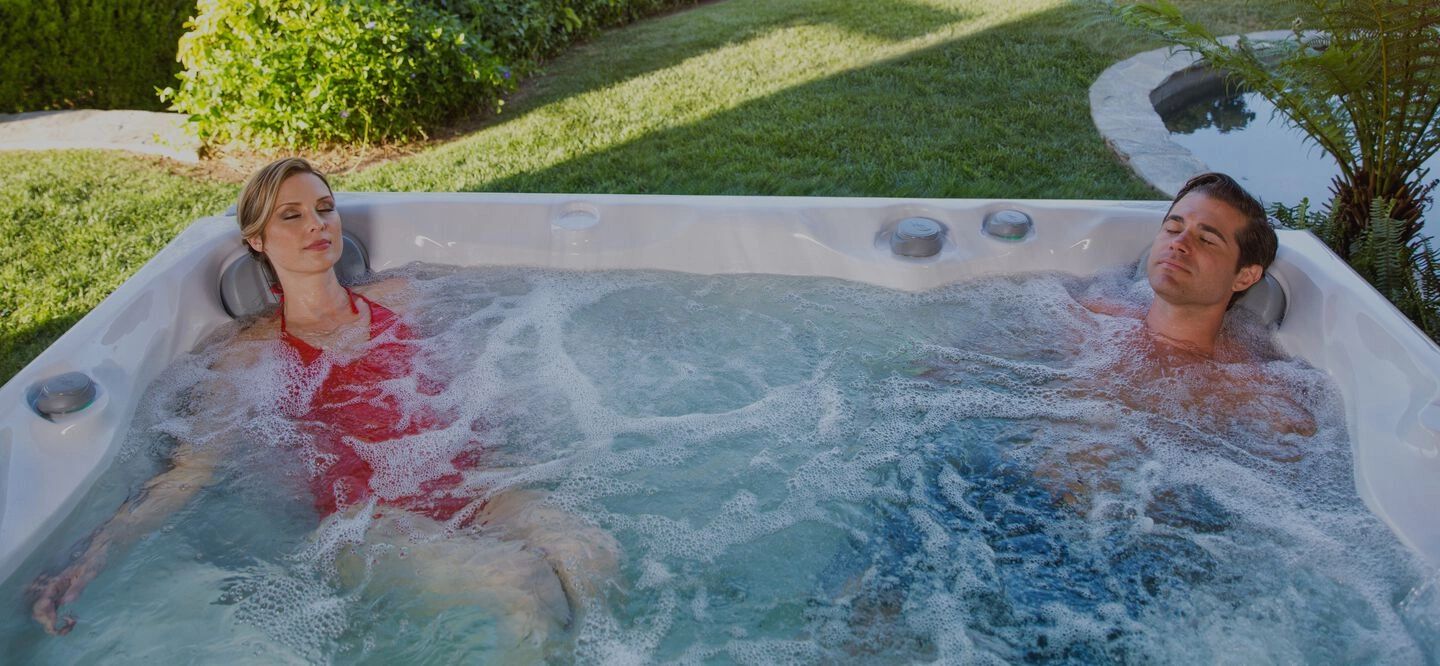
{"x":797,"y":469}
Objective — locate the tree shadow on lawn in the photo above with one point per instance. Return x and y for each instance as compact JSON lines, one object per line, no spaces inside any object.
{"x":631,"y":52}
{"x":920,"y":125}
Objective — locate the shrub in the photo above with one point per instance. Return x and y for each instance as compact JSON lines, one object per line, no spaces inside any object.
{"x":314,"y":72}
{"x":301,"y":73}
{"x":107,"y":54}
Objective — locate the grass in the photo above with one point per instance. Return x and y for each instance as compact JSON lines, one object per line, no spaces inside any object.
{"x":910,"y":98}
{"x":75,"y":225}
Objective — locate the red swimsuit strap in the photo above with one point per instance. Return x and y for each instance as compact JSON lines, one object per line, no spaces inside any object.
{"x":374,"y":307}
{"x":381,"y":317}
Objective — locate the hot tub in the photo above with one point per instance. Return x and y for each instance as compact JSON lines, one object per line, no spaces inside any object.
{"x":1387,"y":371}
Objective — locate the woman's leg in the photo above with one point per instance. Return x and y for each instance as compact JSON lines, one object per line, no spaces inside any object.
{"x":584,"y":555}
{"x":510,"y":581}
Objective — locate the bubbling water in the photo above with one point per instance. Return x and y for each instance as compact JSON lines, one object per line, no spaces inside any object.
{"x":797,"y":470}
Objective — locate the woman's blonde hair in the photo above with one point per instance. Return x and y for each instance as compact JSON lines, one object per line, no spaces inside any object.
{"x":257,"y":198}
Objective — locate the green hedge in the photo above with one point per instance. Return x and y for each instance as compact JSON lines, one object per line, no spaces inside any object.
{"x":299,"y":73}
{"x":302,"y":73}
{"x":108,"y":54}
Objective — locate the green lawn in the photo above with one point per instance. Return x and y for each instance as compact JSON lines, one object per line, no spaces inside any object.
{"x":910,"y":98}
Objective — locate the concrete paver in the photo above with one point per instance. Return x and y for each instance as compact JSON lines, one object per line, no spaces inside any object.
{"x":148,"y":132}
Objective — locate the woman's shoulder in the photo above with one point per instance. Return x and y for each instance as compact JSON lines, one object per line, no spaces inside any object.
{"x":392,"y":292}
{"x":245,"y":350}
{"x":264,"y":328}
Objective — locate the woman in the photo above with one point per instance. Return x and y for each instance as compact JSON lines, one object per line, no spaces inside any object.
{"x":509,"y":552}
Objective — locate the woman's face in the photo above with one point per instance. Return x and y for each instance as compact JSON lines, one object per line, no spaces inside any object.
{"x":302,"y":233}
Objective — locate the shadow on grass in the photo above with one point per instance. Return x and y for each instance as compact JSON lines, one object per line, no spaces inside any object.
{"x":1003,"y":112}
{"x":902,"y":19}
{"x":20,"y":346}
{"x":631,"y":52}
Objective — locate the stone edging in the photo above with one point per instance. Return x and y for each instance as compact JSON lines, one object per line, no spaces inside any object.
{"x":149,"y":132}
{"x":1122,"y":104}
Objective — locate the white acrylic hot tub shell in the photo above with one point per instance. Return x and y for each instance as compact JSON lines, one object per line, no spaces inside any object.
{"x":1387,"y":370}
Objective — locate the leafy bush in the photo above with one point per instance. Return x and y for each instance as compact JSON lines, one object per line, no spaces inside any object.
{"x":108,"y":54}
{"x":314,"y":72}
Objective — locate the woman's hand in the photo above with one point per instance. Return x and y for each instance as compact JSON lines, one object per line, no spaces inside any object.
{"x":52,"y":592}
{"x":161,"y":497}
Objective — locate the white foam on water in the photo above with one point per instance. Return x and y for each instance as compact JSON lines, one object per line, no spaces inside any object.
{"x":300,"y":611}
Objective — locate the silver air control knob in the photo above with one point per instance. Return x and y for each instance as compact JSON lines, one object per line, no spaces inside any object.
{"x":917,"y":237}
{"x":1008,"y":224}
{"x":63,"y":394}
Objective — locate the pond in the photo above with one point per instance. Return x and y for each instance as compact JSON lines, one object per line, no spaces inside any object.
{"x":1239,"y":132}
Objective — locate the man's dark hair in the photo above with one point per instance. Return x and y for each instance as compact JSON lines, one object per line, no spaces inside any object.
{"x":1257,"y":238}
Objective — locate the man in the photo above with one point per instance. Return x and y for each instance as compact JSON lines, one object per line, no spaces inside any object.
{"x":1214,"y":243}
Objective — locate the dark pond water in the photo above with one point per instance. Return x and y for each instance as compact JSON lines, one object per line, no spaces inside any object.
{"x":1239,"y":133}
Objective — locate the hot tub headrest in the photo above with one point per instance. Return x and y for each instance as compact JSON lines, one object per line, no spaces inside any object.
{"x":1266,"y":298}
{"x":245,"y":282}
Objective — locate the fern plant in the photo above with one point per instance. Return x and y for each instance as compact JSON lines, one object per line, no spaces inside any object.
{"x":1405,"y":271}
{"x":1360,"y":77}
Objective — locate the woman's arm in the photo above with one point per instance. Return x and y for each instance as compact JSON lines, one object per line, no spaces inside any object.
{"x":140,"y":515}
{"x":192,"y":467}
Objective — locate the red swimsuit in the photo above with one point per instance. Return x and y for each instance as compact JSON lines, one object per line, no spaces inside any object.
{"x":351,"y":404}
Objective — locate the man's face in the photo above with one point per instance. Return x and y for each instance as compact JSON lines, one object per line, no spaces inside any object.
{"x":1192,"y":261}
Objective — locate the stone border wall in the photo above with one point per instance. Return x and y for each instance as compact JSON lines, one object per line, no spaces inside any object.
{"x":1123,"y":101}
